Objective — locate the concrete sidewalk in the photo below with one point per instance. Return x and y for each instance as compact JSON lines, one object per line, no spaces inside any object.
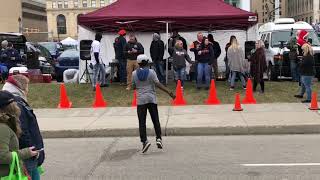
{"x":185,"y":120}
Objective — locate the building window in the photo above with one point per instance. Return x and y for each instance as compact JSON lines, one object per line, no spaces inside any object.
{"x":84,"y":3}
{"x":93,"y":3}
{"x":54,"y":4}
{"x":76,"y":3}
{"x":102,"y":3}
{"x":66,"y":4}
{"x":60,"y":4}
{"x":61,"y":24}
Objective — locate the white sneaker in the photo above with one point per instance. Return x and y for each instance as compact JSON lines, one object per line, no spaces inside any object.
{"x":159,"y":144}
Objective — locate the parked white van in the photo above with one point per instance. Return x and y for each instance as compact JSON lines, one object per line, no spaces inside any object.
{"x":278,"y":34}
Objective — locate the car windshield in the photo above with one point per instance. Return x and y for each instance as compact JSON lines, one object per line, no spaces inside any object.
{"x":285,"y":36}
{"x":52,"y":47}
{"x":70,"y":53}
{"x":44,"y":51}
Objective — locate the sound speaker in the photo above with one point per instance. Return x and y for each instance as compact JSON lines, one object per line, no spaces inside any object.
{"x":85,"y":49}
{"x":249,"y":45}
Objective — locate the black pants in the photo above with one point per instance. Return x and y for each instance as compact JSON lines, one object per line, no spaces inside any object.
{"x":255,"y":84}
{"x":142,"y":115}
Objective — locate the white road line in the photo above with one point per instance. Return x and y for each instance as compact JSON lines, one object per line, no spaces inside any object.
{"x":281,"y":164}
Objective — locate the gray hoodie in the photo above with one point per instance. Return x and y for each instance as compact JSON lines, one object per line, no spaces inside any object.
{"x":180,"y":56}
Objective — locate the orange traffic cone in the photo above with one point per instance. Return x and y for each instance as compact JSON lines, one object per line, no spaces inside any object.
{"x":179,"y":101}
{"x":212,"y":100}
{"x":64,"y":100}
{"x":314,"y":102}
{"x":237,"y":104}
{"x":249,"y":99}
{"x":134,"y":100}
{"x":99,"y":101}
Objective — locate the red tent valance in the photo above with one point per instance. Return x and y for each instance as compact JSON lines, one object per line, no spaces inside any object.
{"x":183,"y":15}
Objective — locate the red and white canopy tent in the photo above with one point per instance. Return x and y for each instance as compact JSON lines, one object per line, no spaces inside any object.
{"x":180,"y":15}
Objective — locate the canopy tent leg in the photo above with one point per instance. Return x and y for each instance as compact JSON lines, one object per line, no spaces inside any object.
{"x":167,"y":60}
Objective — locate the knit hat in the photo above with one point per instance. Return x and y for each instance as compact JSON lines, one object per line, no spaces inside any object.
{"x":302,"y":37}
{"x":122,"y":32}
{"x":20,"y":81}
{"x":5,"y":98}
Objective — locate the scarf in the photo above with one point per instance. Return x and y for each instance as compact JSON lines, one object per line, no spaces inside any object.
{"x":14,"y":90}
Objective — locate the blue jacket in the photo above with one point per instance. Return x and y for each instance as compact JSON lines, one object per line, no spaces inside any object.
{"x":31,"y":135}
{"x":12,"y":53}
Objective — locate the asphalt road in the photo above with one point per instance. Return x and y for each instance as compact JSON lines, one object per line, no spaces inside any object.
{"x":287,"y":157}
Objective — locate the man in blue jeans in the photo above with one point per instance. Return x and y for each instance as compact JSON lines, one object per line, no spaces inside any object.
{"x":96,"y":61}
{"x":145,"y":81}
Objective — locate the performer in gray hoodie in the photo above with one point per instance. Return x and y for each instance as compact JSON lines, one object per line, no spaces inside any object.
{"x":144,"y":81}
{"x":180,"y":56}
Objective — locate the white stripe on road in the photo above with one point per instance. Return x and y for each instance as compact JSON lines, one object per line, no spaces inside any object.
{"x":281,"y":164}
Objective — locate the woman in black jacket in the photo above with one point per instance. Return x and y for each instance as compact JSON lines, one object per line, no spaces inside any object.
{"x":307,"y":72}
{"x":205,"y":60}
{"x":31,"y":136}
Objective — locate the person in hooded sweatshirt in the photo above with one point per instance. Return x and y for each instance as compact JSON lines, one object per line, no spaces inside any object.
{"x":180,"y":56}
{"x":31,"y":136}
{"x":157,"y":53}
{"x":132,"y":50}
{"x":205,"y":60}
{"x":144,"y":81}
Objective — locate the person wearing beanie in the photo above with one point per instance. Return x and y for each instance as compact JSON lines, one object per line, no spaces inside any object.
{"x":157,"y":53}
{"x":119,"y":44}
{"x":144,"y":81}
{"x":10,"y":131}
{"x":18,"y":85}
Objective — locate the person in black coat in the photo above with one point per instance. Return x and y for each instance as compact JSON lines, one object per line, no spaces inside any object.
{"x":119,"y":44}
{"x":157,"y":53}
{"x":31,"y":136}
{"x":217,"y":53}
{"x":307,"y":72}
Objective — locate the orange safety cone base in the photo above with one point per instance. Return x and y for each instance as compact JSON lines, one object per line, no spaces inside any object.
{"x":65,"y":106}
{"x":179,"y":101}
{"x":249,"y":98}
{"x":314,"y":102}
{"x":237,"y":109}
{"x":212,"y":99}
{"x":99,"y":101}
{"x":64,"y":100}
{"x":237,"y":104}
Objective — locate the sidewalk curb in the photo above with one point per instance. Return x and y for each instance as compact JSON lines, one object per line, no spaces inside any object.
{"x":190,"y":131}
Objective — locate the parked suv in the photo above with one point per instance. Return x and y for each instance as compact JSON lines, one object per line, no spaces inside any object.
{"x":278,"y":34}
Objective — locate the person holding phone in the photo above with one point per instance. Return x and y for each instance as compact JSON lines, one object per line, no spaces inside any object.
{"x":10,"y":131}
{"x":18,"y":85}
{"x":144,"y":81}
